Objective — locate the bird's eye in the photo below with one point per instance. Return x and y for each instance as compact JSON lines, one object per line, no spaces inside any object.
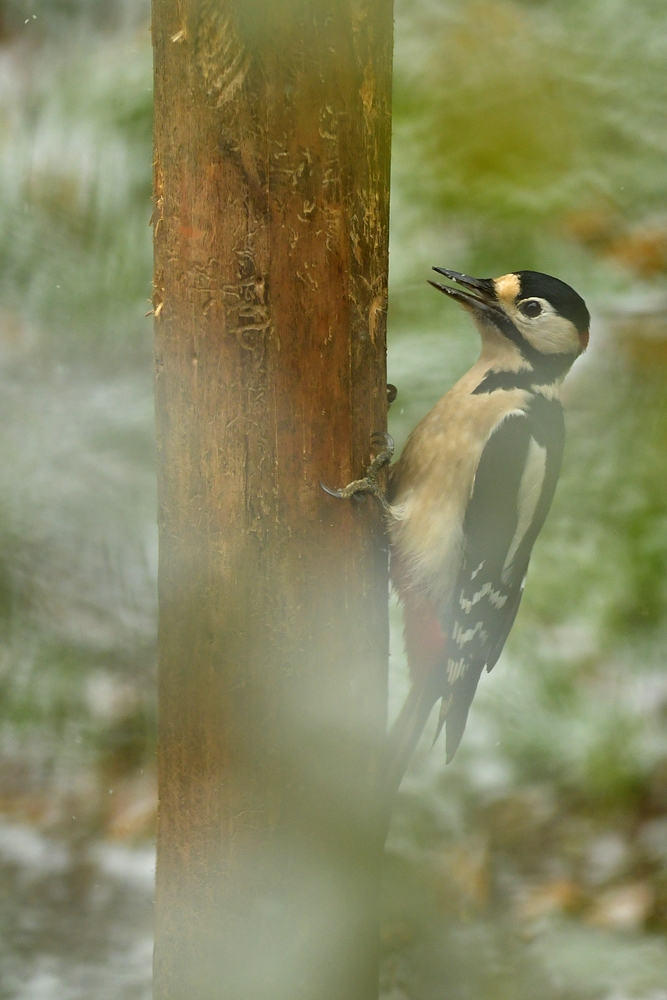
{"x":531,"y":308}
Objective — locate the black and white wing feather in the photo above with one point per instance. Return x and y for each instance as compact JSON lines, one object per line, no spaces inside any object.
{"x":511,"y":496}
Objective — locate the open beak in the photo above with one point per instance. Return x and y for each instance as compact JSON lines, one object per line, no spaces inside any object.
{"x":480,"y":293}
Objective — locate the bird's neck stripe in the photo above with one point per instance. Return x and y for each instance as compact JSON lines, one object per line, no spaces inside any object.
{"x":528,"y":380}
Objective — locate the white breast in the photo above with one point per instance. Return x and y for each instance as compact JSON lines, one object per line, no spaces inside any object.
{"x":434,"y":482}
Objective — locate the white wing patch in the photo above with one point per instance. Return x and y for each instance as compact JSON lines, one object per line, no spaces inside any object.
{"x":473,"y":575}
{"x":461,"y":636}
{"x":456,"y":669}
{"x":496,"y":598}
{"x":530,"y":490}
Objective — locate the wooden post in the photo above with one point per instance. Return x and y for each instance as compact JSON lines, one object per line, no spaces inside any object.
{"x":272,"y":135}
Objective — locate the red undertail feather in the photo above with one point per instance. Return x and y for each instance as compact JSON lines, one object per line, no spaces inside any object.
{"x":425,"y":644}
{"x":424,"y":639}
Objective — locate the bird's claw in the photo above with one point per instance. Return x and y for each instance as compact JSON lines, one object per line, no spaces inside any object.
{"x":342,"y":495}
{"x":332,"y":493}
{"x":383,"y":438}
{"x":369,"y":484}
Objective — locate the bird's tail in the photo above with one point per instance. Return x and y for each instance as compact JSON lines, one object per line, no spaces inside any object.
{"x":405,"y":732}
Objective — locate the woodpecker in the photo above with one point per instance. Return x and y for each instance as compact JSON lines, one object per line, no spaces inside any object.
{"x":470,"y":493}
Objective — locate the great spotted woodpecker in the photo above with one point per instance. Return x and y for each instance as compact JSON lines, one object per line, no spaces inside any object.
{"x":470,"y":493}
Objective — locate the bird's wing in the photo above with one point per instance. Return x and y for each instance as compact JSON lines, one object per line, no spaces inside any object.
{"x":512,"y":493}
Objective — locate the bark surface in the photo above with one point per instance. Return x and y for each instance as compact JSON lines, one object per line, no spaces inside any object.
{"x":272,"y":136}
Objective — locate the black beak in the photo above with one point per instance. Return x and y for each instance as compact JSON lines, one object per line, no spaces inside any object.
{"x":480,"y":294}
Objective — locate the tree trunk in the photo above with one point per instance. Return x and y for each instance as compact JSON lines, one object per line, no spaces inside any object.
{"x":272,"y":135}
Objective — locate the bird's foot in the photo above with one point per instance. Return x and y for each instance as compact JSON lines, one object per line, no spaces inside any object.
{"x":369,"y":484}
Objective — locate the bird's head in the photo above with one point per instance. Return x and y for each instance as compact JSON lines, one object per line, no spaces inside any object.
{"x":545,"y":319}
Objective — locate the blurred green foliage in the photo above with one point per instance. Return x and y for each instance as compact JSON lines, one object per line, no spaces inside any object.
{"x":526,"y":135}
{"x":53,"y":18}
{"x":77,"y":490}
{"x":510,"y":117}
{"x":75,"y":171}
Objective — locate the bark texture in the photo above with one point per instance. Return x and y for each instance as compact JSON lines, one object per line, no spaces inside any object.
{"x":272,"y":136}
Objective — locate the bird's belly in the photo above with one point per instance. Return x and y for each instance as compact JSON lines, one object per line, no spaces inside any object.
{"x":427,"y":542}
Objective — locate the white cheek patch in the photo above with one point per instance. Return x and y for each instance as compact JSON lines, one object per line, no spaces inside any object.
{"x":548,"y":333}
{"x":530,"y":490}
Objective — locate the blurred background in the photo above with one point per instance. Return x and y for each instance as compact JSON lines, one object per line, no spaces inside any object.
{"x":527,"y":134}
